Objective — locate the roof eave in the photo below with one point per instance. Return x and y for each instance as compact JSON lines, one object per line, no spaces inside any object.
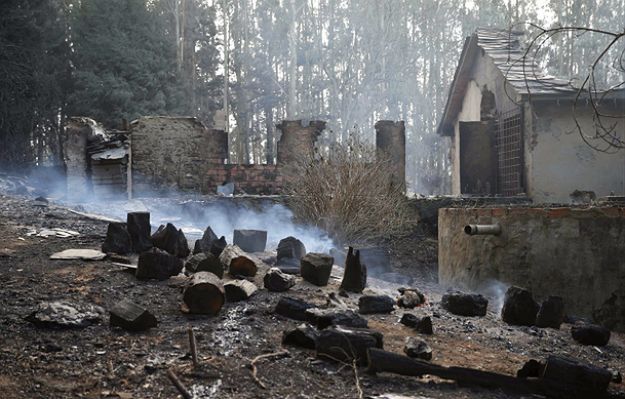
{"x":458,"y":86}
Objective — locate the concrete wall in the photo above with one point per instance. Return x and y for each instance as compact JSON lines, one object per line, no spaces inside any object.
{"x":572,"y":252}
{"x":560,"y":162}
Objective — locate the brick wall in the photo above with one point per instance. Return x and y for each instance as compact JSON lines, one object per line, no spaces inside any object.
{"x":247,"y":179}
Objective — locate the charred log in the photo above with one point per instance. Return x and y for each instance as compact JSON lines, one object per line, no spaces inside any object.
{"x":205,"y":294}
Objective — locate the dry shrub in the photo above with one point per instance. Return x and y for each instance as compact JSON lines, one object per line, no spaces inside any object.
{"x":350,"y":195}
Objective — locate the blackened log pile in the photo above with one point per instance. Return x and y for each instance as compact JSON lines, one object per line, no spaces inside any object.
{"x":559,"y":378}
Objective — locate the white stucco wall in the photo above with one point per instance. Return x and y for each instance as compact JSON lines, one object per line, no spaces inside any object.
{"x":560,"y":162}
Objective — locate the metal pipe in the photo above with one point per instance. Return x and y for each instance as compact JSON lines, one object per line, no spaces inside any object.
{"x":482,"y":229}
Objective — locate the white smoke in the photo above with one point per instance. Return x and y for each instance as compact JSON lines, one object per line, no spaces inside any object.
{"x":223,"y":215}
{"x":495,"y":291}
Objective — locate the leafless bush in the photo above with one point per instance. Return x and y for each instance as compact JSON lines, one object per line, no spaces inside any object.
{"x":350,"y":195}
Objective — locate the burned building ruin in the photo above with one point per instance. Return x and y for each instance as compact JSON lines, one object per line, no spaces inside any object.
{"x":169,"y":154}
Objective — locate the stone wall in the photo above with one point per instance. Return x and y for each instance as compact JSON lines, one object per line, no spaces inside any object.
{"x":77,"y":133}
{"x":297,"y":141}
{"x":576,"y":253}
{"x":173,"y":153}
{"x":390,"y":141}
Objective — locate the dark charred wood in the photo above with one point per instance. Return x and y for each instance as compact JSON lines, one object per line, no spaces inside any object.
{"x":519,"y":307}
{"x":316,"y":268}
{"x":576,"y":378}
{"x":557,"y":384}
{"x":132,"y":317}
{"x":138,"y":225}
{"x":205,"y":262}
{"x":355,"y":275}
{"x":369,"y":304}
{"x":276,"y":281}
{"x":463,"y":304}
{"x":303,"y":336}
{"x":157,"y":264}
{"x":237,"y":262}
{"x":172,"y":240}
{"x":205,"y":294}
{"x":117,"y":239}
{"x":239,"y":290}
{"x":422,"y":325}
{"x":218,"y":246}
{"x":551,"y":313}
{"x":590,"y":334}
{"x":293,"y":308}
{"x":324,"y":318}
{"x":347,"y":344}
{"x":204,"y":244}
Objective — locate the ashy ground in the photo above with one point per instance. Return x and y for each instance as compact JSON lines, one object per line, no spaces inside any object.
{"x":100,"y":361}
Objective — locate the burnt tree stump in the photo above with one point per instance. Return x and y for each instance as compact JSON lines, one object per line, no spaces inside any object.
{"x":172,"y":240}
{"x":355,"y":275}
{"x":316,"y":268}
{"x":205,"y":294}
{"x":132,"y":317}
{"x":138,"y":225}
{"x":218,"y":246}
{"x":204,"y":244}
{"x":250,"y":240}
{"x":347,"y":344}
{"x":238,"y":262}
{"x":117,"y":239}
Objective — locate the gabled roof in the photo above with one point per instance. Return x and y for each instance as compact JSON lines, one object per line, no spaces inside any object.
{"x":505,"y":48}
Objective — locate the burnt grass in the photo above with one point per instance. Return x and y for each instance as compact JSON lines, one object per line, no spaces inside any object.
{"x":100,"y":361}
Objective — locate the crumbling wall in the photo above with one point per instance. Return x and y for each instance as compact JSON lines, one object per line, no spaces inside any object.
{"x":173,"y":153}
{"x":576,"y":253}
{"x":390,"y":141}
{"x":247,"y":179}
{"x":297,"y":141}
{"x":77,"y":132}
